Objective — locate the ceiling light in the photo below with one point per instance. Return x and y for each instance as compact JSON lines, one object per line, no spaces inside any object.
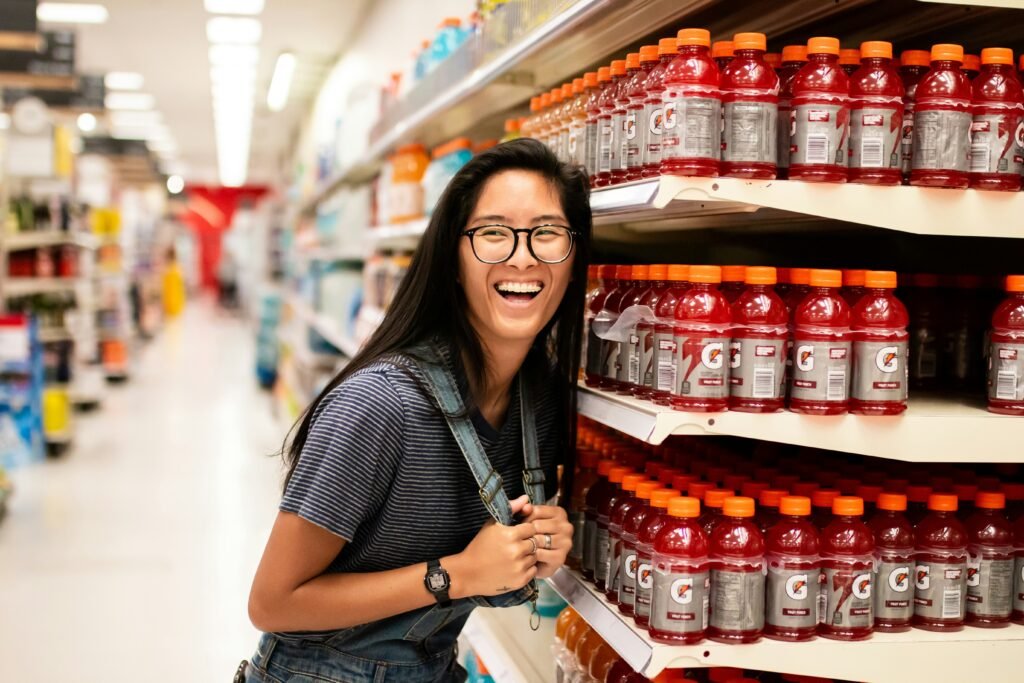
{"x":132,"y":101}
{"x":232,"y":73}
{"x":68,"y":13}
{"x":234,"y":6}
{"x":86,"y":122}
{"x":175,"y":184}
{"x":234,"y":55}
{"x":234,"y":30}
{"x":123,"y":80}
{"x":281,"y":83}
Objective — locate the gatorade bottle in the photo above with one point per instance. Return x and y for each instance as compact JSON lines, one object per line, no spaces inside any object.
{"x":608,"y":137}
{"x":799,"y":287}
{"x":869,"y":493}
{"x":917,"y":502}
{"x":666,"y":357}
{"x":758,"y":349}
{"x":565,"y":619}
{"x":821,"y":503}
{"x":942,"y":122}
{"x":773,"y":59}
{"x":723,"y":52}
{"x":585,"y":478}
{"x":914,"y":64}
{"x":1006,"y":352}
{"x":578,"y":117}
{"x":602,"y":536}
{"x":768,"y":508}
{"x":737,"y":575}
{"x":793,"y":59}
{"x":1018,"y":572}
{"x":880,"y":343}
{"x":753,"y":489}
{"x":642,"y":343}
{"x":853,"y":286}
{"x":821,"y":348}
{"x":679,"y":605}
{"x":632,"y":521}
{"x":623,"y":508}
{"x":551,"y":117}
{"x":990,"y":567}
{"x":876,"y":117}
{"x":576,"y":631}
{"x":750,"y":105}
{"x":850,"y":60}
{"x":965,"y":494}
{"x":635,"y":139}
{"x":652,"y":525}
{"x":997,"y":131}
{"x":594,"y":367}
{"x":821,"y":116}
{"x":793,"y":573}
{"x":601,"y":489}
{"x":592,"y":135}
{"x":702,"y":327}
{"x":714,"y":501}
{"x":654,"y":108}
{"x":894,"y":564}
{"x":603,"y":321}
{"x":847,"y":545}
{"x":530,"y":124}
{"x":785,"y":283}
{"x":620,"y":165}
{"x":627,"y":371}
{"x":972,"y":66}
{"x":941,"y":574}
{"x":733,"y":278}
{"x":691,"y":144}
{"x":569,"y":93}
{"x":543,"y":117}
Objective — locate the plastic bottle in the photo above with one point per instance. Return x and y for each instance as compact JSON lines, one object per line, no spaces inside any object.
{"x":703,"y":319}
{"x":990,"y":566}
{"x":773,"y":59}
{"x":733,"y":282}
{"x":530,"y":123}
{"x":652,"y":525}
{"x":619,"y":119}
{"x":757,"y":379}
{"x":576,"y":631}
{"x":876,"y":117}
{"x":821,"y":116}
{"x":1014,"y":492}
{"x":821,"y":348}
{"x":1006,"y":352}
{"x":850,"y":60}
{"x":794,"y":569}
{"x":592,"y":135}
{"x":723,"y":52}
{"x":635,"y":128}
{"x":576,"y":145}
{"x":586,"y":647}
{"x":737,"y":575}
{"x":853,"y":285}
{"x":605,"y":319}
{"x":793,"y":59}
{"x":869,"y":493}
{"x":608,"y":137}
{"x":641,"y":285}
{"x":941,"y":573}
{"x":914,"y":64}
{"x":594,"y":366}
{"x":750,"y":106}
{"x":1018,"y":570}
{"x":691,"y":143}
{"x":680,"y":597}
{"x":601,"y":662}
{"x":821,"y":504}
{"x":544,"y":118}
{"x":997,"y":130}
{"x":785,"y":283}
{"x":405,"y":196}
{"x":654,"y":107}
{"x":894,"y":564}
{"x":847,"y":545}
{"x":602,"y":536}
{"x":768,"y":507}
{"x":972,"y":66}
{"x":561,"y":97}
{"x":917,"y":502}
{"x":600,"y":489}
{"x":632,"y":521}
{"x":641,"y":364}
{"x":880,"y":344}
{"x":666,"y":357}
{"x":799,"y":287}
{"x":714,"y":502}
{"x":564,"y":620}
{"x":942,"y":122}
{"x":624,"y":506}
{"x":585,"y":478}
{"x":570,"y":94}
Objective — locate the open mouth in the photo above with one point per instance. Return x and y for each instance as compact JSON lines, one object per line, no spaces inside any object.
{"x":519,"y":292}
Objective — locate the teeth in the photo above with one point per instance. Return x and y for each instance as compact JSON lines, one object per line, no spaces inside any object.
{"x":519,"y":287}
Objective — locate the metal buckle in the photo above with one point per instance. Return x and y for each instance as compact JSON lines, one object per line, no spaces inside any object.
{"x":534,"y":475}
{"x":488,"y":495}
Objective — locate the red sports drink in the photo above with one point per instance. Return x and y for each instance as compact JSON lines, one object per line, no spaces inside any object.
{"x":624,"y":506}
{"x":917,"y":502}
{"x":853,"y":285}
{"x":768,"y":508}
{"x":627,"y":371}
{"x":599,"y":490}
{"x":941,"y":539}
{"x":1014,"y":492}
{"x":649,"y":530}
{"x":876,"y":117}
{"x":680,"y":596}
{"x":714,"y":502}
{"x":942,"y":122}
{"x":703,"y":321}
{"x":821,"y":348}
{"x":965,"y":494}
{"x":753,"y":489}
{"x":990,"y":567}
{"x":914,"y":64}
{"x":869,"y":493}
{"x":972,"y":66}
{"x":793,"y":59}
{"x":723,"y":52}
{"x":880,"y":343}
{"x":847,"y":547}
{"x":585,"y":477}
{"x":608,"y":138}
{"x":666,"y":358}
{"x":785,"y":283}
{"x":773,"y":59}
{"x":894,"y":571}
{"x":614,"y":304}
{"x":737,"y":575}
{"x":750,"y":106}
{"x":799,"y":287}
{"x":1006,"y":352}
{"x":850,"y":60}
{"x":757,"y":353}
{"x":733,"y":278}
{"x":635,"y":135}
{"x":594,"y":367}
{"x":620,"y":165}
{"x":691,"y":144}
{"x":602,"y":537}
{"x":578,"y":117}
{"x":592,"y":135}
{"x":794,"y":571}
{"x":821,"y":504}
{"x":641,"y":344}
{"x":654,"y":107}
{"x":821,"y":116}
{"x":632,"y":521}
{"x":997,"y":131}
{"x":1018,"y":571}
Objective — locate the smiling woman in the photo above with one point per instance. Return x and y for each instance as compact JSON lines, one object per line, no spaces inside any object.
{"x":419,"y":480}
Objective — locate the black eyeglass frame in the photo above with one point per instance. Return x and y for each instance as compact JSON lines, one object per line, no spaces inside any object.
{"x":573,"y":234}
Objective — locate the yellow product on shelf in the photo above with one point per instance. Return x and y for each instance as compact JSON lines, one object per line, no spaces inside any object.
{"x":174,"y":290}
{"x":105,"y":222}
{"x":63,"y":157}
{"x":56,"y":412}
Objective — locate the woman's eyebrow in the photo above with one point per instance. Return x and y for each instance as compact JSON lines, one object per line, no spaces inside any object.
{"x":491,"y":218}
{"x":548,"y":217}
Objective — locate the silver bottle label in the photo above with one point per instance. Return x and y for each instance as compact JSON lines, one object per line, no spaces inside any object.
{"x":989,"y":586}
{"x":792,"y":598}
{"x":997,"y":143}
{"x":847,"y":599}
{"x":692,"y":128}
{"x":737,"y":600}
{"x":703,"y":366}
{"x":821,"y":370}
{"x":680,"y":601}
{"x":894,"y":589}
{"x":750,"y":132}
{"x":1006,"y":371}
{"x":941,"y":140}
{"x":757,"y":368}
{"x":820,"y":135}
{"x":875,"y":137}
{"x":879,"y":371}
{"x":940,"y":591}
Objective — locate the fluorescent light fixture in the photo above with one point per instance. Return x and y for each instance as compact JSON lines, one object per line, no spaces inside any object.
{"x":86,"y":122}
{"x":232,"y":73}
{"x":123,"y":80}
{"x":71,"y":13}
{"x":234,"y":6}
{"x":234,"y":30}
{"x":234,"y":55}
{"x":130,"y":101}
{"x":175,"y":184}
{"x":281,"y":83}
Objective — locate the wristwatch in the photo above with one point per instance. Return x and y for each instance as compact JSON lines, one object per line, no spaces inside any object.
{"x":438,"y":582}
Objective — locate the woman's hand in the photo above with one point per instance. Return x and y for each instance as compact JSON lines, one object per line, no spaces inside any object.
{"x":550,"y":520}
{"x":498,"y":560}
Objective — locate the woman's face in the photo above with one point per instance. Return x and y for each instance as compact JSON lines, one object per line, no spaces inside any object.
{"x":514,"y":300}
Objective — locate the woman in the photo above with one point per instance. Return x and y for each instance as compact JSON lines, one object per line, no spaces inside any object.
{"x":418,"y":479}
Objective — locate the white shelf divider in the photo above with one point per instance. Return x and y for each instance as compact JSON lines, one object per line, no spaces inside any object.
{"x":325,"y":326}
{"x":508,"y":647}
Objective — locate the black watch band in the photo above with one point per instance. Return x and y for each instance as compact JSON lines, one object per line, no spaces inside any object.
{"x":438,"y":582}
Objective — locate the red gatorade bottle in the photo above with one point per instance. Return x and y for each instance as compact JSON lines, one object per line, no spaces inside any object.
{"x":990,"y":565}
{"x":679,"y":603}
{"x":821,"y":116}
{"x":1006,"y":352}
{"x":635,"y":135}
{"x":649,"y":530}
{"x":607,"y":151}
{"x":894,"y":571}
{"x":641,"y":359}
{"x":750,"y":104}
{"x":791,"y":593}
{"x":758,"y":350}
{"x":592,"y":134}
{"x":624,"y":506}
{"x":941,"y":576}
{"x":714,"y":502}
{"x":723,"y":52}
{"x":822,"y":501}
{"x":609,"y":315}
{"x":914,"y":64}
{"x":594,"y":368}
{"x":917,"y":502}
{"x":821,"y":348}
{"x":942,"y":122}
{"x":602,"y":538}
{"x":768,"y":508}
{"x":620,"y":165}
{"x":654,"y":107}
{"x":666,"y":359}
{"x":972,"y":66}
{"x":628,"y":365}
{"x":850,"y":60}
{"x":691,"y":143}
{"x":876,"y":117}
{"x":586,"y":477}
{"x":847,"y":547}
{"x":1018,"y":571}
{"x":703,"y":320}
{"x":793,"y":59}
{"x":632,"y":521}
{"x":737,"y":575}
{"x":733,"y":278}
{"x":997,"y":131}
{"x":601,"y":488}
{"x":853,"y":285}
{"x":880,"y":343}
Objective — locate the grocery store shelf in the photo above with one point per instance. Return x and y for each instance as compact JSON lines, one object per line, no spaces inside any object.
{"x":305,"y":356}
{"x":22,"y":41}
{"x":47,"y":238}
{"x":326,"y":327}
{"x":399,"y":236}
{"x":933,"y":429}
{"x":334,"y":254}
{"x":54,"y":334}
{"x":508,"y":647}
{"x":972,"y":654}
{"x":27,"y":286}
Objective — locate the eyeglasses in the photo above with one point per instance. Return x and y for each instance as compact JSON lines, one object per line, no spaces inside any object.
{"x":496,"y":243}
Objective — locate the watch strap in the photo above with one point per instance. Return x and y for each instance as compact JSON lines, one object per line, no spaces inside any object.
{"x":440,"y":594}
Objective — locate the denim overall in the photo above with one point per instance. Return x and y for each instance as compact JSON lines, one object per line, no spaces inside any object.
{"x":418,"y":645}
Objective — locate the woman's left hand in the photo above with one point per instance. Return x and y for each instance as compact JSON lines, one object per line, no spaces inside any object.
{"x":550,"y":520}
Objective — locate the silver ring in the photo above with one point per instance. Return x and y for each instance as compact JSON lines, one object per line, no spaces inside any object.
{"x":534,"y":551}
{"x":547,"y":541}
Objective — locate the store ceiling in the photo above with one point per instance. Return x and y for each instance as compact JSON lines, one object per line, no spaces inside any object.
{"x":165,"y":41}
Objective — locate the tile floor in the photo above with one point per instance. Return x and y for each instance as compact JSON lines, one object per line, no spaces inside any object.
{"x":130,"y":558}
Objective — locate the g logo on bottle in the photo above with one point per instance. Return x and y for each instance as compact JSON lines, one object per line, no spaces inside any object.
{"x":645,"y":577}
{"x":796,"y":587}
{"x":805,"y":358}
{"x":670,"y":116}
{"x":924,"y":581}
{"x":899,"y":579}
{"x":631,"y":566}
{"x":734,"y":355}
{"x":654,"y":123}
{"x":888,"y":359}
{"x":862,"y":587}
{"x":1018,"y":134}
{"x":973,"y":571}
{"x":682,"y":590}
{"x":713,"y":355}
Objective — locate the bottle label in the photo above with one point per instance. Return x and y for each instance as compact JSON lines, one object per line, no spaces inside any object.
{"x":666,"y":362}
{"x":601,"y":551}
{"x":614,"y":563}
{"x":792,"y":597}
{"x":610,"y":354}
{"x":590,"y":545}
{"x":618,"y":161}
{"x":1006,"y":372}
{"x":654,"y":115}
{"x":989,"y":586}
{"x":632,"y":139}
{"x":625,"y":357}
{"x":575,"y":152}
{"x":1018,"y":584}
{"x":595,"y":349}
{"x":591,"y":144}
{"x":894,"y":590}
{"x":940,"y":590}
{"x":693,"y":127}
{"x":750,"y":132}
{"x":941,"y":140}
{"x":820,"y":134}
{"x":875,"y":137}
{"x":703,"y":366}
{"x":645,"y":357}
{"x":757,"y":368}
{"x":679,"y":601}
{"x":644,"y":587}
{"x":997,"y":143}
{"x":879,"y":371}
{"x":562,"y":151}
{"x":579,"y":522}
{"x":737,"y":600}
{"x":907,"y":144}
{"x":847,"y":602}
{"x":606,"y":145}
{"x":924,"y":361}
{"x":783,"y":128}
{"x":627,"y":576}
{"x":821,"y":370}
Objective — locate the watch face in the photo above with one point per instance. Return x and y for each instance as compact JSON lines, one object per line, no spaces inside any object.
{"x":437,"y":582}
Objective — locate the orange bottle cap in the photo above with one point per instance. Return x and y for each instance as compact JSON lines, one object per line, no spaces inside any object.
{"x":722,"y":48}
{"x":604,"y":467}
{"x":661,"y":497}
{"x":556,"y":95}
{"x":918,"y":493}
{"x":616,"y":474}
{"x":623,"y":272}
{"x":875,"y":48}
{"x":511,"y":126}
{"x":545,"y":100}
{"x":880,"y":279}
{"x":799,"y":506}
{"x":604,"y":74}
{"x":773,"y":59}
{"x":826,"y":278}
{"x":590,"y":79}
{"x":569,"y":88}
{"x":681,"y":482}
{"x":794,"y":53}
{"x":535,"y":103}
{"x":915,"y":58}
{"x":606,"y":272}
{"x":640,"y":272}
{"x":684,"y":506}
{"x":715,"y":498}
{"x":633,"y":60}
{"x":618,"y":68}
{"x":823,"y":498}
{"x":848,"y":505}
{"x":990,"y":500}
{"x":943,"y":502}
{"x":659,"y":272}
{"x":645,"y":488}
{"x":668,"y":46}
{"x":451,"y":22}
{"x":693,"y":36}
{"x":823,"y":46}
{"x":649,"y":53}
{"x":853,"y":278}
{"x":750,"y":41}
{"x":800,"y":276}
{"x":706,"y":274}
{"x":577,"y":86}
{"x":697,"y":489}
{"x":947,"y":52}
{"x":1015,"y":283}
{"x":895,"y":502}
{"x":772,"y":498}
{"x":631,"y":481}
{"x":869,"y":492}
{"x":678,"y":273}
{"x":849,"y":56}
{"x":738,"y":506}
{"x":733,"y":273}
{"x":973,"y":62}
{"x":760,"y":275}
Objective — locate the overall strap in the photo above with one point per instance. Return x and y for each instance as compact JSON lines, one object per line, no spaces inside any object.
{"x":533,"y":473}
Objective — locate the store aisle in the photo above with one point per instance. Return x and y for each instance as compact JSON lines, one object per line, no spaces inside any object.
{"x":130,"y":558}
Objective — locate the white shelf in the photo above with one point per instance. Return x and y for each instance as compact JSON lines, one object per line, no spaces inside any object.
{"x":333,"y":254}
{"x":326,"y":327}
{"x":27,"y":286}
{"x":399,"y":236}
{"x":508,"y":647}
{"x":933,"y":429}
{"x":47,"y":238}
{"x":973,"y":654}
{"x":305,"y":356}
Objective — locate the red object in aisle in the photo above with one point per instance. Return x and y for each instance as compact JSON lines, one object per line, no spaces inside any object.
{"x":654,"y":108}
{"x":602,"y":537}
{"x":853,"y":285}
{"x":599,"y":490}
{"x":997,"y":128}
{"x":758,"y":348}
{"x":894,"y":574}
{"x":636,"y":133}
{"x":876,"y":117}
{"x":723,"y":52}
{"x":965,"y":494}
{"x":1014,"y":492}
{"x":608,"y":138}
{"x":880,"y":345}
{"x":914,"y":64}
{"x":609,"y":315}
{"x":785,"y":283}
{"x":585,"y":477}
{"x":1018,"y":572}
{"x":768,"y":507}
{"x":592,"y":135}
{"x":850,"y":60}
{"x":594,"y":366}
{"x":691,"y":144}
{"x":733,"y":279}
{"x":791,"y":591}
{"x":737,"y":575}
{"x":847,"y":547}
{"x":821,"y":348}
{"x":620,"y":163}
{"x":793,"y":59}
{"x":666,"y":359}
{"x":1006,"y":352}
{"x":990,"y":578}
{"x":972,"y":66}
{"x":750,"y":106}
{"x":651,"y":526}
{"x":679,"y":603}
{"x":642,"y":385}
{"x":714,"y":500}
{"x":629,"y":360}
{"x":632,"y":521}
{"x":942,"y":122}
{"x":703,"y":320}
{"x":623,"y":508}
{"x":821,"y":116}
{"x":941,"y":541}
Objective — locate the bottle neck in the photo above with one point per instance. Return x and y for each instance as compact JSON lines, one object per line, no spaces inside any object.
{"x":946,"y":64}
{"x":997,"y":68}
{"x":821,"y":291}
{"x":847,"y":519}
{"x":749,"y":54}
{"x":704,"y":286}
{"x":668,"y":57}
{"x":823,"y":58}
{"x":760,"y":289}
{"x":693,"y":50}
{"x":879,"y":291}
{"x":876,"y":62}
{"x":795,"y":519}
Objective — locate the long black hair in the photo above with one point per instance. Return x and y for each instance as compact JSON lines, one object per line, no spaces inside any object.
{"x":430,"y":302}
